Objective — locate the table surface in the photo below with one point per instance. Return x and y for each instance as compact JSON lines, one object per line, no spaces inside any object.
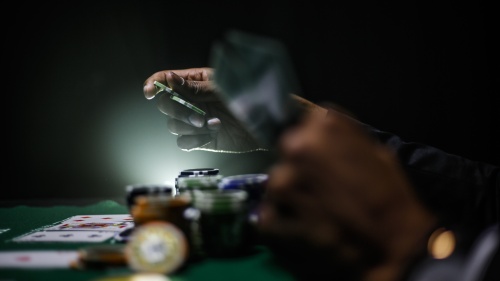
{"x":17,"y":219}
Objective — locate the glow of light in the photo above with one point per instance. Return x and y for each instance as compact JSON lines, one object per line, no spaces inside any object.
{"x":441,"y":243}
{"x":139,"y":146}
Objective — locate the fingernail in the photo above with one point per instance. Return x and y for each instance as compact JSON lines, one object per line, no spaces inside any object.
{"x":177,"y":79}
{"x":196,"y":120}
{"x":214,"y":124}
{"x":149,"y":91}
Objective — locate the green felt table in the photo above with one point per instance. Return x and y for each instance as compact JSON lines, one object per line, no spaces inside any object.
{"x":21,"y":219}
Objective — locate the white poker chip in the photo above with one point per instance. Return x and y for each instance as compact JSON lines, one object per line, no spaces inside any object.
{"x":156,"y":247}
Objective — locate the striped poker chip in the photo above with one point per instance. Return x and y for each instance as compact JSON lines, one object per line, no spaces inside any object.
{"x":220,"y":201}
{"x":199,"y":182}
{"x":200,"y":172}
{"x":244,"y":181}
{"x":135,"y":190}
{"x":156,"y":247}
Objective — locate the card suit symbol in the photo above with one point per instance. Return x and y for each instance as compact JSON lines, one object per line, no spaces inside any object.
{"x":85,"y":217}
{"x":94,"y":235}
{"x":66,"y":235}
{"x":107,"y":218}
{"x":39,"y":235}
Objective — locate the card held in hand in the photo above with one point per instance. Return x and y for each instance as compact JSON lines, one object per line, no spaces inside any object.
{"x":256,"y":77}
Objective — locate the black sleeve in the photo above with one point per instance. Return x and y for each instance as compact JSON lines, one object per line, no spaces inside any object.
{"x":460,"y":191}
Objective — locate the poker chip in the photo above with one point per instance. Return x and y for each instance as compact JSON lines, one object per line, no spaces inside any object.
{"x":222,"y":221}
{"x":244,"y":181}
{"x":198,"y":182}
{"x":200,"y":172}
{"x":219,"y":201}
{"x":156,"y":247}
{"x":253,"y":184}
{"x":192,"y":173}
{"x":161,"y":208}
{"x":135,"y":190}
{"x":102,"y":255}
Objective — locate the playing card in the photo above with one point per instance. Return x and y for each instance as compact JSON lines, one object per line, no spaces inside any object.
{"x":66,"y":236}
{"x":90,"y":225}
{"x":256,"y":77}
{"x":99,"y":218}
{"x":37,"y":259}
{"x":116,"y":223}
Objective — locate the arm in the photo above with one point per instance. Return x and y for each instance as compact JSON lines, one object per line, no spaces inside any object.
{"x":465,"y":194}
{"x":457,"y":189}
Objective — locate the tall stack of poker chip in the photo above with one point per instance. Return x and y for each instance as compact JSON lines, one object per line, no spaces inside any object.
{"x":222,"y":221}
{"x":189,"y":186}
{"x":254,"y":185}
{"x":251,"y":183}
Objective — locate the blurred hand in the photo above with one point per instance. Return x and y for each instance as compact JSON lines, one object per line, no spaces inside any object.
{"x":344,"y":201}
{"x":217,"y":131}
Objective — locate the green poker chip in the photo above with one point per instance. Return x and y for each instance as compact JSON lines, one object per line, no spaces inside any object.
{"x":220,"y":201}
{"x":156,"y":247}
{"x":199,"y":182}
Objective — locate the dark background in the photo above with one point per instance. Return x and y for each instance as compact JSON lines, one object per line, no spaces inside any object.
{"x":78,"y":125}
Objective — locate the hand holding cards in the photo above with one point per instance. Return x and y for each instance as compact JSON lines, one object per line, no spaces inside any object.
{"x":176,"y":97}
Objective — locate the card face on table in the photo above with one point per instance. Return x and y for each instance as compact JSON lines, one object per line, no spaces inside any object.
{"x":87,"y":226}
{"x":81,"y":228}
{"x":37,"y":259}
{"x":99,"y":218}
{"x":66,"y":236}
{"x":116,"y":223}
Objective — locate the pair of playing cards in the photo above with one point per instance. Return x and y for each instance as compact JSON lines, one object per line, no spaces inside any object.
{"x":81,"y":228}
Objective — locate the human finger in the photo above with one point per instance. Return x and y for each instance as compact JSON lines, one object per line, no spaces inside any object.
{"x":194,"y":90}
{"x":180,"y":112}
{"x":177,"y":127}
{"x":165,"y":77}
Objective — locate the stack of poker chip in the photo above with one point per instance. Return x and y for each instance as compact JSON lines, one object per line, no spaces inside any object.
{"x":253,"y":184}
{"x":222,"y":221}
{"x":99,"y":257}
{"x":193,"y":173}
{"x":135,"y":190}
{"x":220,"y":201}
{"x":161,"y":207}
{"x":191,"y":186}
